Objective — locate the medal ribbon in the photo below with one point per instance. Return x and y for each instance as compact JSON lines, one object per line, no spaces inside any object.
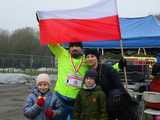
{"x":76,"y":69}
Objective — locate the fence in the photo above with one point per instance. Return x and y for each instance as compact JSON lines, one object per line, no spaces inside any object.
{"x":13,"y":62}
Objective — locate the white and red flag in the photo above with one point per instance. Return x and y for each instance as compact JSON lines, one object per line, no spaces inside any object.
{"x":96,"y":22}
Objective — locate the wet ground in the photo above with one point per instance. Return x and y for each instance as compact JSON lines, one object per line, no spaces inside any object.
{"x":12,"y":98}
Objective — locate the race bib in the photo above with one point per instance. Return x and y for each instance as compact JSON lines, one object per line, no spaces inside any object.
{"x":74,"y":80}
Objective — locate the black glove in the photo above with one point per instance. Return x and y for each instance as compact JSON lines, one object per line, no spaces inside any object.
{"x":122,"y":63}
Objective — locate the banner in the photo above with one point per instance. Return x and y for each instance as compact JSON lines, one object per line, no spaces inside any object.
{"x":99,"y":21}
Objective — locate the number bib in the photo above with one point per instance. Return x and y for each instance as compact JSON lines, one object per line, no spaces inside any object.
{"x":74,"y":80}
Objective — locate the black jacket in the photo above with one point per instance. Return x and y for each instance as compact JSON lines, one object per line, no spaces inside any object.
{"x":109,"y":79}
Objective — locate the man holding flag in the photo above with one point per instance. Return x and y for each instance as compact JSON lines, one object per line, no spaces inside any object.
{"x":71,"y":69}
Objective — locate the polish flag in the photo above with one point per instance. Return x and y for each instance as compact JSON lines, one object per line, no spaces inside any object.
{"x":99,"y":21}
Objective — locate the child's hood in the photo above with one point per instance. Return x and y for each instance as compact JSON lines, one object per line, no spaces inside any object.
{"x":35,"y":91}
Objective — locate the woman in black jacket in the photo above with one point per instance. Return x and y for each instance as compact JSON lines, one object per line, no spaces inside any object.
{"x":120,"y":105}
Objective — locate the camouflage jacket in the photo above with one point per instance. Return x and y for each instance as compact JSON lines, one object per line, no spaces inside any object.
{"x":90,"y":105}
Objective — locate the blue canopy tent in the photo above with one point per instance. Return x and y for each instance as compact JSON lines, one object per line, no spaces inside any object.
{"x":141,"y":32}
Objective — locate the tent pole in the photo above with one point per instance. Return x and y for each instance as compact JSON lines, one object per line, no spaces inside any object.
{"x":102,"y":51}
{"x":124,"y":68}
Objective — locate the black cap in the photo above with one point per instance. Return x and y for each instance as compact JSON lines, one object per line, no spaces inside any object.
{"x":93,"y":52}
{"x":92,"y":73}
{"x":77,"y":44}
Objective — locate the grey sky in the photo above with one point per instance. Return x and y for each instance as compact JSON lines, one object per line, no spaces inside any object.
{"x":21,"y":13}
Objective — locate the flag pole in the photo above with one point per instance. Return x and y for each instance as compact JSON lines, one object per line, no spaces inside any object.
{"x":124,"y":67}
{"x":122,"y":54}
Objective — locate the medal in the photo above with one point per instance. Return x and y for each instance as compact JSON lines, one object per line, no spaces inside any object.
{"x":75,"y":79}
